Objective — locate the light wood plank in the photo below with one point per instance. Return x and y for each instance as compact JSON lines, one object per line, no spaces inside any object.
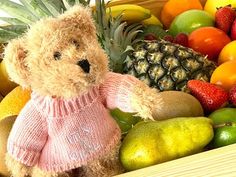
{"x":219,"y":162}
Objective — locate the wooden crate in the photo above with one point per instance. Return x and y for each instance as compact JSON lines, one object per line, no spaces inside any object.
{"x":220,"y":162}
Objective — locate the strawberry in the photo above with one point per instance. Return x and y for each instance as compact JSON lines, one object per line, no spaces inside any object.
{"x":181,"y":39}
{"x":210,"y":96}
{"x":233,"y":31}
{"x":224,"y":18}
{"x":232,"y":95}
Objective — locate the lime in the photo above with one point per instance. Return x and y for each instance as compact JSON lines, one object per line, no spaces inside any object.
{"x":224,"y":120}
{"x":223,"y":115}
{"x":224,"y":135}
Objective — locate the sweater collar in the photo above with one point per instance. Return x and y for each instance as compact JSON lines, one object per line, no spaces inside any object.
{"x":59,"y":107}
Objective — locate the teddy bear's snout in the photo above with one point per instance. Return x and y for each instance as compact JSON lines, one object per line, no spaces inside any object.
{"x":84,"y":64}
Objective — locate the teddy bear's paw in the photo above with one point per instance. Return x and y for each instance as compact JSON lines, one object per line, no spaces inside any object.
{"x":144,"y":100}
{"x":16,"y":168}
{"x":37,"y":172}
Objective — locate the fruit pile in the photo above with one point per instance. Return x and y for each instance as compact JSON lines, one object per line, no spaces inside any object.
{"x":187,"y":51}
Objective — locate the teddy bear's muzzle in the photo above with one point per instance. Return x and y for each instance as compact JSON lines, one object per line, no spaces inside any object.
{"x":84,"y":64}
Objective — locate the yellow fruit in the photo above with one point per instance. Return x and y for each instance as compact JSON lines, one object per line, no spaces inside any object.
{"x":14,"y":102}
{"x":6,"y":85}
{"x":212,"y":5}
{"x":5,"y":128}
{"x":130,"y":12}
{"x":153,"y":142}
{"x":153,"y":20}
{"x":228,"y":53}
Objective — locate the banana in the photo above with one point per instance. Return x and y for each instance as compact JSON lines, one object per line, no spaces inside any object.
{"x":131,"y":13}
{"x":153,"y":20}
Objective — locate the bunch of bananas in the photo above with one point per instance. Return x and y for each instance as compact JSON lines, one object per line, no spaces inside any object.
{"x":133,"y":13}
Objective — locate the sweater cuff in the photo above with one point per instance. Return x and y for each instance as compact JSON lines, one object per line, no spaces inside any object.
{"x":118,"y":91}
{"x":24,"y":156}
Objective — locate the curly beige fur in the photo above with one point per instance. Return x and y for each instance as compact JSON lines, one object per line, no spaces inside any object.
{"x":146,"y":101}
{"x":16,"y":168}
{"x":30,"y":62}
{"x":107,"y":166}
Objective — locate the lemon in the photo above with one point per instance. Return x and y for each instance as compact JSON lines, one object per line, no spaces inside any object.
{"x":6,"y":85}
{"x":228,"y":53}
{"x":13,"y":102}
{"x":212,"y":5}
{"x":5,"y":128}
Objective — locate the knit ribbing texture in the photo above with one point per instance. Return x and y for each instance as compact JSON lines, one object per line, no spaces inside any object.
{"x":59,"y":134}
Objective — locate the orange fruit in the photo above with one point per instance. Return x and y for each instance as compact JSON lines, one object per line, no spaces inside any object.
{"x":228,"y":53}
{"x":225,"y":75}
{"x":6,"y":85}
{"x":14,"y":101}
{"x":172,"y":8}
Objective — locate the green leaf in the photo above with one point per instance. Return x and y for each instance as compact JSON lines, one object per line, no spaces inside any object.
{"x":18,"y":11}
{"x":56,"y":7}
{"x":34,"y":8}
{"x":5,"y":36}
{"x":68,"y":3}
{"x":18,"y":29}
{"x":12,"y":21}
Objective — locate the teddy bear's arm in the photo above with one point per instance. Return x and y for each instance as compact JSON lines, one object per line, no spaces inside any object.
{"x":28,"y":136}
{"x":130,"y":95}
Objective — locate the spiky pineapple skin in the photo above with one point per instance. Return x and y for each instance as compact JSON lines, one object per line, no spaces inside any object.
{"x":167,"y":66}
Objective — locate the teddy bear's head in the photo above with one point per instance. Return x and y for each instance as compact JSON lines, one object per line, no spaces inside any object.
{"x":58,"y":56}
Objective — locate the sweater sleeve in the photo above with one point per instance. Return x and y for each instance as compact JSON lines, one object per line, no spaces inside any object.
{"x":117,"y":90}
{"x":28,"y":136}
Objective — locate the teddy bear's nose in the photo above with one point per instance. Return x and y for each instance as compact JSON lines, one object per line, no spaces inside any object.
{"x":84,"y":64}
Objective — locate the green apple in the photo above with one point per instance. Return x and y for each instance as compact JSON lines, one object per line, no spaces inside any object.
{"x":190,"y":20}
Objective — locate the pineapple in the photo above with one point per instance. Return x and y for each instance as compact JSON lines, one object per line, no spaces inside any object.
{"x":167,"y":66}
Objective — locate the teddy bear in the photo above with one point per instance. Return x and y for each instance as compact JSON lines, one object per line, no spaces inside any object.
{"x":65,"y":129}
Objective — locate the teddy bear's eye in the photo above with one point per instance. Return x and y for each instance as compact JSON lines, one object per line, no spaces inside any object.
{"x":57,"y":55}
{"x":75,"y":42}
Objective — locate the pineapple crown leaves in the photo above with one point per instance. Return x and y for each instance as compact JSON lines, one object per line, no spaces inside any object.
{"x":28,"y":12}
{"x":116,"y":37}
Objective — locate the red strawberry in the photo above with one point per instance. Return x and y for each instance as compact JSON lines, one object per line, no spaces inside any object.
{"x":181,"y":39}
{"x":209,"y":95}
{"x":224,"y":18}
{"x":232,"y":95}
{"x":233,"y":31}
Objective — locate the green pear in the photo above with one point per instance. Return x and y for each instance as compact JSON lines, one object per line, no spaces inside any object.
{"x":153,"y":142}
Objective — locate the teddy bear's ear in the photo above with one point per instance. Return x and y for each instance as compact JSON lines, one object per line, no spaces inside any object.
{"x":14,"y":58}
{"x":81,"y":17}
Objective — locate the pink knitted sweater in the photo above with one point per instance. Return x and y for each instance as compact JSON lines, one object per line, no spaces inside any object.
{"x":59,"y":134}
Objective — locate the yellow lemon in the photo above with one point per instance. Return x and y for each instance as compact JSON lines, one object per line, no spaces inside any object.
{"x":228,"y":53}
{"x":13,"y":102}
{"x":212,"y":5}
{"x":6,"y":85}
